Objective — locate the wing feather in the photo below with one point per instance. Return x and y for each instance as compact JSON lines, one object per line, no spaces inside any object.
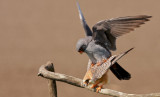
{"x":116,"y":27}
{"x":83,"y":21}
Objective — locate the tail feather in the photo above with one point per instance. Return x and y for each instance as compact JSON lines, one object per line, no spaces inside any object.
{"x":119,"y":72}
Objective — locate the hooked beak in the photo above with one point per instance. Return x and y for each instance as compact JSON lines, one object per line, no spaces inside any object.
{"x":80,"y":52}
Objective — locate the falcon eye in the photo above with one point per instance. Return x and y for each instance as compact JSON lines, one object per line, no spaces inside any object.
{"x":82,"y":48}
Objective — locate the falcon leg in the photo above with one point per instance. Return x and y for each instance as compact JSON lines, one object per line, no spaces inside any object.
{"x":92,"y":65}
{"x":103,"y":61}
{"x":99,"y":63}
{"x":94,"y":85}
{"x":104,"y":80}
{"x":99,"y":88}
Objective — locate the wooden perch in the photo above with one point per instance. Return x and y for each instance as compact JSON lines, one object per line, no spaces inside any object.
{"x":47,"y":71}
{"x":51,"y":83}
{"x":44,"y":72}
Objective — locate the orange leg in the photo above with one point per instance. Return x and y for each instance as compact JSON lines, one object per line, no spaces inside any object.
{"x":92,"y":65}
{"x":99,"y":63}
{"x":94,"y":85}
{"x":104,"y":60}
{"x":98,"y":88}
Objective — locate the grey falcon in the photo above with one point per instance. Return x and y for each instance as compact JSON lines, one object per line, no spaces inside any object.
{"x":101,"y":40}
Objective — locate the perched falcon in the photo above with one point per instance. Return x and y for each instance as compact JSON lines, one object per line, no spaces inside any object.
{"x":101,"y":39}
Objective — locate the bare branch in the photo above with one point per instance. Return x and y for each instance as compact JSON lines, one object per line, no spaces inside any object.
{"x":44,"y":72}
{"x":51,"y":83}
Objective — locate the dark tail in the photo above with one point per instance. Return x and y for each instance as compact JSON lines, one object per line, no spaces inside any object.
{"x":119,"y":72}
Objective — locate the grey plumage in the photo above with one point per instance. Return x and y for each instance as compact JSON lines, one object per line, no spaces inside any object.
{"x":107,"y":31}
{"x":85,"y":25}
{"x":98,"y":42}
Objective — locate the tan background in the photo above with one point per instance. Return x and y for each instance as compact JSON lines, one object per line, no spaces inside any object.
{"x":33,"y":32}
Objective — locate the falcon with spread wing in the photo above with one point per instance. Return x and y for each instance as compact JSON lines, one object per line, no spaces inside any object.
{"x":100,"y":40}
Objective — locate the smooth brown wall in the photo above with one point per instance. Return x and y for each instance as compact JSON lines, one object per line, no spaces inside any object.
{"x":33,"y":32}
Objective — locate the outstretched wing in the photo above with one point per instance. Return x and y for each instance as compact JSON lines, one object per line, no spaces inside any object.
{"x":99,"y":71}
{"x":85,"y":25}
{"x":107,"y":31}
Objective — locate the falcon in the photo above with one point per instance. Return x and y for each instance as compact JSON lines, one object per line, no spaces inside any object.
{"x":100,"y":41}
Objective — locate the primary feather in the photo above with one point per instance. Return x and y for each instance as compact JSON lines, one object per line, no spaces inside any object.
{"x":107,"y":31}
{"x":85,"y":25}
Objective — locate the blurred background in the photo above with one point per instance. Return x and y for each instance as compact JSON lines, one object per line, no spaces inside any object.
{"x":33,"y":32}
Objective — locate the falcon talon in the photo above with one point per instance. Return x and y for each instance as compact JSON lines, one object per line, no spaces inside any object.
{"x":98,"y":89}
{"x":84,"y":84}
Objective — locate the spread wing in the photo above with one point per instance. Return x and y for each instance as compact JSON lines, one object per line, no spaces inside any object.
{"x":107,"y":31}
{"x":85,"y":25}
{"x":99,"y":71}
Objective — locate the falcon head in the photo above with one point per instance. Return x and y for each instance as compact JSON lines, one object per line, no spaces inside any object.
{"x":82,"y":44}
